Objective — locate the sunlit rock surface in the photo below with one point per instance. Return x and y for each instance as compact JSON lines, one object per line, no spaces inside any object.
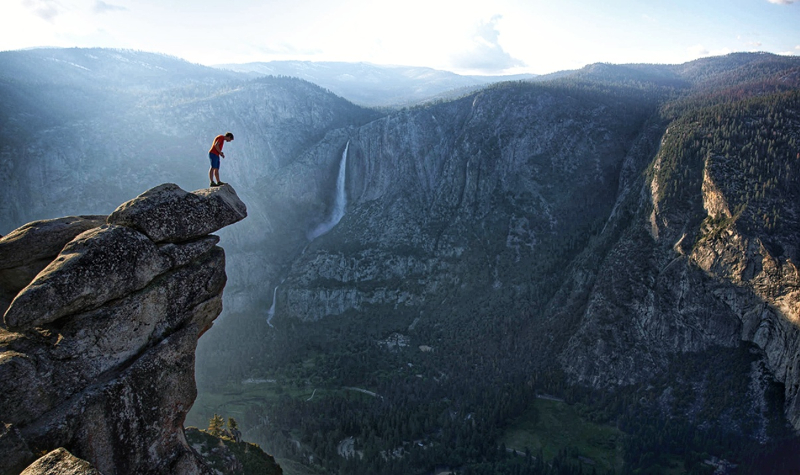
{"x":27,"y":250}
{"x":62,"y":462}
{"x":99,"y":355}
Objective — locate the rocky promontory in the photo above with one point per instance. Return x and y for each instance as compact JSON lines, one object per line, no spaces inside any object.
{"x":101,"y":321}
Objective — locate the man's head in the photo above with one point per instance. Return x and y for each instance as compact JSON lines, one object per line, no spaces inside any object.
{"x":228,"y":137}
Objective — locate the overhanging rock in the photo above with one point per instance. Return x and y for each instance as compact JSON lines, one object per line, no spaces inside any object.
{"x":166,"y":213}
{"x":99,"y":354}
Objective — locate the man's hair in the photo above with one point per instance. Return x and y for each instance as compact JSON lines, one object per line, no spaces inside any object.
{"x":229,"y":135}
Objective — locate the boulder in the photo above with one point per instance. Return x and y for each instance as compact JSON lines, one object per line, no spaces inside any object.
{"x":26,"y":371}
{"x":167,"y":213}
{"x":27,"y":250}
{"x":183,"y":253}
{"x":60,"y":462}
{"x":52,"y":368}
{"x":14,"y":452}
{"x":97,"y":357}
{"x":43,"y":239}
{"x":101,"y":264}
{"x":134,"y":422}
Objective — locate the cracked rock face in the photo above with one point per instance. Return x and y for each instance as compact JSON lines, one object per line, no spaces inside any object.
{"x":100,"y":345}
{"x":20,"y":261}
{"x":168,"y":214}
{"x":99,"y":265}
{"x":710,"y":274}
{"x":62,"y":462}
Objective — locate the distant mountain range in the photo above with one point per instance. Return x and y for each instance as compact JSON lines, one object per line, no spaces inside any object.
{"x":375,"y":85}
{"x":621,"y":239}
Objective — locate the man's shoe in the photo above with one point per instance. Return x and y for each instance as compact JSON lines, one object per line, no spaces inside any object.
{"x":221,"y":183}
{"x":214,"y":184}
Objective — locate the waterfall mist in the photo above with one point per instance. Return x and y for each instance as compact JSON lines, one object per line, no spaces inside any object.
{"x":339,"y":202}
{"x":271,"y":311}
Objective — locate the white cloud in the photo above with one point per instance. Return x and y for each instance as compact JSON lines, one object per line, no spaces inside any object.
{"x":751,"y":44}
{"x":782,"y":2}
{"x":44,"y":9}
{"x":102,"y":7}
{"x":699,"y":51}
{"x":485,"y":54}
{"x":285,"y":49}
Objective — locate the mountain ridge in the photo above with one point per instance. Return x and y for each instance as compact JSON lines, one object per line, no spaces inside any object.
{"x":667,"y":302}
{"x":374,"y":85}
{"x":544,"y":236}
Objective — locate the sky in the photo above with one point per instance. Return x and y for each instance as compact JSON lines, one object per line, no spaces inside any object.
{"x":463,"y":36}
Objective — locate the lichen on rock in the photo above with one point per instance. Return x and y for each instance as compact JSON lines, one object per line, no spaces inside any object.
{"x":62,"y":462}
{"x":27,"y":250}
{"x":168,"y":214}
{"x":99,"y":345}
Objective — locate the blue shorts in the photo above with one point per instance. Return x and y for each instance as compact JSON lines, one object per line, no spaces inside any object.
{"x":214,"y":160}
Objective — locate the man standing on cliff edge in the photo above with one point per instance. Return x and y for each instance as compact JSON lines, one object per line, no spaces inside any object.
{"x":214,"y":155}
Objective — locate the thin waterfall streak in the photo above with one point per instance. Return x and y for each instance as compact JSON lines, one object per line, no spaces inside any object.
{"x":271,"y":311}
{"x":339,"y":201}
{"x":341,"y":197}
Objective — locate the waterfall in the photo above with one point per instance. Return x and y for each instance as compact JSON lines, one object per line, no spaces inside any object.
{"x":339,"y":201}
{"x":271,"y":311}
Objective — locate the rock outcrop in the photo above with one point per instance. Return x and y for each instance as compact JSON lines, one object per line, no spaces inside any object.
{"x":20,"y":261}
{"x":709,"y":268}
{"x":62,"y":462}
{"x":97,"y":357}
{"x":533,"y":201}
{"x":225,"y":454}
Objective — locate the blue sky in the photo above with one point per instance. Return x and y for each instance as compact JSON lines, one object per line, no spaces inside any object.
{"x":489,"y":37}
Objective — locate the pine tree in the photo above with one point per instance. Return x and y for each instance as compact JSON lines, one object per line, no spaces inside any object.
{"x":233,"y":430}
{"x":215,"y":425}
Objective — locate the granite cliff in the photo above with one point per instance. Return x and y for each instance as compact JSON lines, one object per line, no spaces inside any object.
{"x":625,"y":230}
{"x":706,"y":258}
{"x":101,"y":321}
{"x":610,"y":225}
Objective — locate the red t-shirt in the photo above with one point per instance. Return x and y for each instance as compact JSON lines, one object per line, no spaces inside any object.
{"x":218,"y":140}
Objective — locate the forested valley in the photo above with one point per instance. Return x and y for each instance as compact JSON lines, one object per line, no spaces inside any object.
{"x":478,"y":389}
{"x":592,"y":272}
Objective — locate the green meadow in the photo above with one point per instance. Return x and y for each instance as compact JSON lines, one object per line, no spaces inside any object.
{"x":553,"y":426}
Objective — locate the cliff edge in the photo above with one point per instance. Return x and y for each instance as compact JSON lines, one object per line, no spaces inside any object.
{"x":100,"y":326}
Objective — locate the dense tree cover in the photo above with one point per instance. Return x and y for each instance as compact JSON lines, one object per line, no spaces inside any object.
{"x":700,"y":416}
{"x":215,"y":425}
{"x":749,"y":150}
{"x":227,"y":456}
{"x":429,"y":412}
{"x":340,"y":400}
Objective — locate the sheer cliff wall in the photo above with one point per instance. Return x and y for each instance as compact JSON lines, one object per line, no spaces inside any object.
{"x":102,"y":317}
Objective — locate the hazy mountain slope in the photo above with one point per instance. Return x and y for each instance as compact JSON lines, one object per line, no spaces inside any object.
{"x":629,"y":228}
{"x":417,"y":163}
{"x":106,"y":68}
{"x":88,"y":128}
{"x":710,"y":256}
{"x":374,"y":85}
{"x":513,"y":232}
{"x":76,"y":115}
{"x":463,"y":196}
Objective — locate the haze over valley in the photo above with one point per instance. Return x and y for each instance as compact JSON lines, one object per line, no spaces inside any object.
{"x":591,"y":270}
